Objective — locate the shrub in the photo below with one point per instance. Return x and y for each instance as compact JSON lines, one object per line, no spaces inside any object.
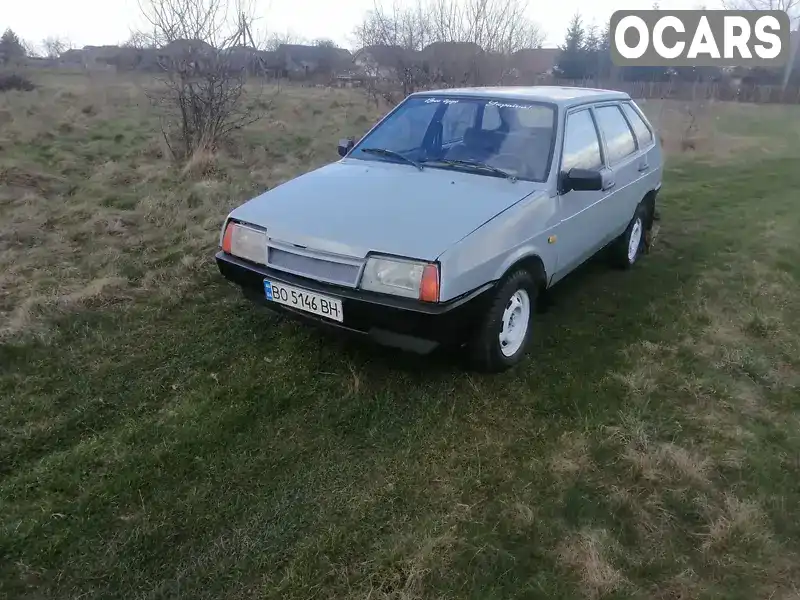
{"x":14,"y":81}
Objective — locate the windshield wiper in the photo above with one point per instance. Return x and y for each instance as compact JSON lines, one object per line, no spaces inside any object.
{"x":473,"y":164}
{"x":392,"y":154}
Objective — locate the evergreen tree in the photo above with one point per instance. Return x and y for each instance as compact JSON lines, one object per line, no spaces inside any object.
{"x":572,"y":59}
{"x":591,"y":51}
{"x":11,"y":47}
{"x":605,"y":66}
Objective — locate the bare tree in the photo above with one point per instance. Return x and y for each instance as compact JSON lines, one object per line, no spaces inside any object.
{"x":31,"y":49}
{"x":389,"y":38}
{"x":470,"y":35}
{"x":790,"y":7}
{"x":495,"y":25}
{"x":54,"y":46}
{"x":277,"y":39}
{"x":141,"y":40}
{"x":324,"y":43}
{"x":202,"y":96}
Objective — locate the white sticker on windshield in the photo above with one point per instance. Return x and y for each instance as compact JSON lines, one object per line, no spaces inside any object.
{"x":502,"y":105}
{"x":440,"y":101}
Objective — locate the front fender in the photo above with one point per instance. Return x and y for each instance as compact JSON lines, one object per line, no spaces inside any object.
{"x":488,"y":252}
{"x":525,"y":252}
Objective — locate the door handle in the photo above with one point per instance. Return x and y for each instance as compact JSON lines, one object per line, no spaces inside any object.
{"x":608,"y":185}
{"x":643,"y":167}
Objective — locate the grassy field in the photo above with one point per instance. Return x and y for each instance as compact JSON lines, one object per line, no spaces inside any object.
{"x":161,"y":437}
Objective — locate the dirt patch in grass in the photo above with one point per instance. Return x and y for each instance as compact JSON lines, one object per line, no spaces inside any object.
{"x":572,"y":456}
{"x":588,"y":555}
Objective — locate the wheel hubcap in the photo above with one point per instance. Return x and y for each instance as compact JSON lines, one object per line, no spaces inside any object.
{"x":635,"y":240}
{"x":516,"y":318}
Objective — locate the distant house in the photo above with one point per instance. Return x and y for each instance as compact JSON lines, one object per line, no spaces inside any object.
{"x":301,"y":60}
{"x":383,"y":61}
{"x":532,"y":63}
{"x":454,"y":63}
{"x":72,"y":57}
{"x":186,"y":48}
{"x":253,"y":61}
{"x":91,"y":57}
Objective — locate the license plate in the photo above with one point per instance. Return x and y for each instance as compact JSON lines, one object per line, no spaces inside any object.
{"x":304,"y":300}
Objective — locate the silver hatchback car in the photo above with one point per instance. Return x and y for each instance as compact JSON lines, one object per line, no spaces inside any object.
{"x":449,"y":218}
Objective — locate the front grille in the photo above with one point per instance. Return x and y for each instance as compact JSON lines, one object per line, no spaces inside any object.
{"x":326,"y":269}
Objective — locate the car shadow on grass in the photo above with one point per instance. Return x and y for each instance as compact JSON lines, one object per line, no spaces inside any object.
{"x":596,"y":305}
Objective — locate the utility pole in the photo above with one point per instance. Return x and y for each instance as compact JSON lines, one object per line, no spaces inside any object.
{"x":794,"y":46}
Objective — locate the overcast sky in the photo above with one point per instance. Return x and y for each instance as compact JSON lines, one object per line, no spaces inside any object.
{"x":99,"y":22}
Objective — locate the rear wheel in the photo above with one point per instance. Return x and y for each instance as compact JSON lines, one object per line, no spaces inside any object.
{"x":628,"y":247}
{"x":504,"y":335}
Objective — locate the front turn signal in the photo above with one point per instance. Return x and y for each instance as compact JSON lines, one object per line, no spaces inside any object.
{"x":429,"y":286}
{"x":227,"y":238}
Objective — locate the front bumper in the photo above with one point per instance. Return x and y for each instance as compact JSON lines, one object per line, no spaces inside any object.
{"x":392,"y":321}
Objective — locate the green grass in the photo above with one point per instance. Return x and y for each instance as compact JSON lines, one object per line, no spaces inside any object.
{"x":189,"y":444}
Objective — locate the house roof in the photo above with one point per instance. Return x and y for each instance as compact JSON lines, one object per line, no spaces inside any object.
{"x":562,"y":96}
{"x":385,"y":55}
{"x":301,"y":52}
{"x":186,"y":46}
{"x":536,"y":60}
{"x":450,"y":50}
{"x":294,"y":56}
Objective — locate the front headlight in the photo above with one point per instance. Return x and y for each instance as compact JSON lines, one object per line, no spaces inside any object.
{"x":245,"y":242}
{"x":407,"y":278}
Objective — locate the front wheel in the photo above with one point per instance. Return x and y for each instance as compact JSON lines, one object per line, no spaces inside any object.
{"x":505,"y":333}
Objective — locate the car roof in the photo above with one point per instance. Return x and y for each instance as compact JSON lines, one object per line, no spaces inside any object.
{"x":560,"y":95}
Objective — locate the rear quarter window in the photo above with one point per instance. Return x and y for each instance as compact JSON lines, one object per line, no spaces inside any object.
{"x":640,"y":128}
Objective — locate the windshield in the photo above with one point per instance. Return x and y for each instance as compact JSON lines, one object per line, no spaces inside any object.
{"x":512,"y":137}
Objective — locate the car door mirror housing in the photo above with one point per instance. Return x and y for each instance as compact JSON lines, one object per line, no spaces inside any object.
{"x":345,"y":145}
{"x":581,"y":180}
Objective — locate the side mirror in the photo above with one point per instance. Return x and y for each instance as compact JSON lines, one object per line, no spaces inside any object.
{"x":345,"y":145}
{"x":581,"y":180}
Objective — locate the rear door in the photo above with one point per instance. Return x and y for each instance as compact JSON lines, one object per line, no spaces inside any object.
{"x":627,"y":163}
{"x":650,"y":166}
{"x":581,"y":230}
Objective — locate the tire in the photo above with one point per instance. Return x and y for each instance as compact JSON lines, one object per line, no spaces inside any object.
{"x":627,"y":248}
{"x":516,"y":296}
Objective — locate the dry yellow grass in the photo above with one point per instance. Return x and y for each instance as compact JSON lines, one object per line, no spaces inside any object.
{"x":89,"y":197}
{"x":88,"y":194}
{"x":588,"y":554}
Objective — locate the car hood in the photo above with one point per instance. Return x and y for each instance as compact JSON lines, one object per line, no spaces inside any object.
{"x":354,"y":207}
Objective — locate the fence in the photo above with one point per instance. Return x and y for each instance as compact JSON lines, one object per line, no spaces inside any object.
{"x":686,"y":90}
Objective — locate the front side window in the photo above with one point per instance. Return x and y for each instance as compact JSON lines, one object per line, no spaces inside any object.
{"x":619,"y":138}
{"x":452,"y":133}
{"x":581,"y":144}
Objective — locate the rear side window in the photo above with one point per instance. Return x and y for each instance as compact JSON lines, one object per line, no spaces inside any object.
{"x":619,"y":137}
{"x":641,"y":129}
{"x":581,"y":146}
